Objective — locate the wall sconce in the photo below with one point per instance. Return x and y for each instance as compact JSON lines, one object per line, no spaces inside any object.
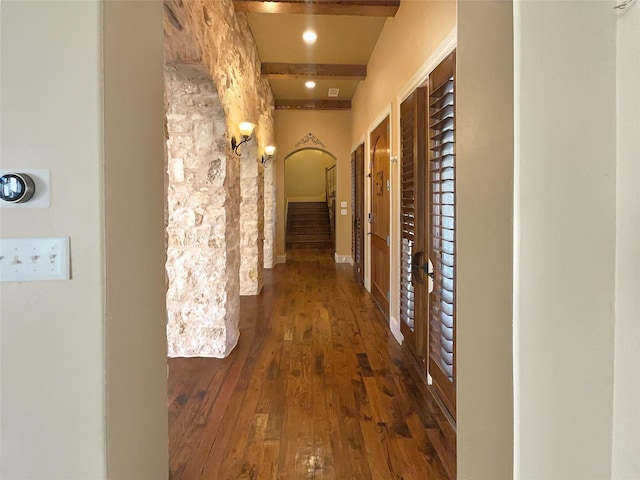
{"x":246,"y":128}
{"x":269,"y":150}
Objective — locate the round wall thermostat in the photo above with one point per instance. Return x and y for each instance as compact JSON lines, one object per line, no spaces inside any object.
{"x":16,"y":187}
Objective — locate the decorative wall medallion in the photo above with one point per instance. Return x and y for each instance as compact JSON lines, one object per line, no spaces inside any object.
{"x":310,"y":138}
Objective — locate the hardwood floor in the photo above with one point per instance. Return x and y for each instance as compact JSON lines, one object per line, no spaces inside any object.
{"x":317,"y":388}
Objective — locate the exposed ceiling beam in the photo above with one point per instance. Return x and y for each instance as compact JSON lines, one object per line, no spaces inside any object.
{"x":313,"y":104}
{"x":314,"y":70}
{"x":370,"y":8}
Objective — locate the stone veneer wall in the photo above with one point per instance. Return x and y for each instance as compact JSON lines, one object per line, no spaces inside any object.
{"x":251,"y":221}
{"x":210,"y":33}
{"x":202,"y":223}
{"x":269,"y":213}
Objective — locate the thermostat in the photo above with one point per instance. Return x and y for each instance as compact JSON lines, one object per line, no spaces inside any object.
{"x":23,"y":187}
{"x":16,"y":187}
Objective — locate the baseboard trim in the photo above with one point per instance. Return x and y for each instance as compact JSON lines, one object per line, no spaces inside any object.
{"x":281,"y":259}
{"x":343,"y":259}
{"x":394,"y":326}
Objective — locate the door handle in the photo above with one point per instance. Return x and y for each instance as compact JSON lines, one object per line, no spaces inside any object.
{"x":415,"y":268}
{"x":418,"y":265}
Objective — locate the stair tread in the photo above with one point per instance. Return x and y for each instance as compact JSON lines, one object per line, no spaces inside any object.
{"x":308,"y":226}
{"x":308,"y":238}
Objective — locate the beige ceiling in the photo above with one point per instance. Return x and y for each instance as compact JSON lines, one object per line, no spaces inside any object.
{"x":342,"y":39}
{"x":294,"y":89}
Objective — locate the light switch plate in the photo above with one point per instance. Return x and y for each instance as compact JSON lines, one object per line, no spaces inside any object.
{"x":29,"y":259}
{"x":42,"y":180}
{"x":343,"y":211}
{"x":343,"y":204}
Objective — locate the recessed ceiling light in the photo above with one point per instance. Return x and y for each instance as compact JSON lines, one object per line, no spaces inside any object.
{"x":310,"y":84}
{"x":309,"y":37}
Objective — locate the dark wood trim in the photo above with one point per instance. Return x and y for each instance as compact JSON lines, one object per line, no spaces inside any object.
{"x":312,"y":104}
{"x":370,"y":8}
{"x":360,"y":209}
{"x":314,"y":70}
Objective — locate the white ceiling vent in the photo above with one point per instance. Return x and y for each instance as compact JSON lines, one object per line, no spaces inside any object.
{"x":334,"y":92}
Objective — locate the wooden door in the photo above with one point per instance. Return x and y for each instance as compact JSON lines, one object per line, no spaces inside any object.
{"x":357,"y":212}
{"x":413,"y":280}
{"x":441,"y":235}
{"x":380,"y":240}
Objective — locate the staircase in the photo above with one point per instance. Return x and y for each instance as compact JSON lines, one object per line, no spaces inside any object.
{"x":308,"y":226}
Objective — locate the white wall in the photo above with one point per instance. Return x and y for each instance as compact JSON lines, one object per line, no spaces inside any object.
{"x":626,"y":408}
{"x":73,"y":351}
{"x":565,"y":238}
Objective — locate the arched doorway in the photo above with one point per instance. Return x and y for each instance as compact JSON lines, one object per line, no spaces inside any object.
{"x":309,"y":193}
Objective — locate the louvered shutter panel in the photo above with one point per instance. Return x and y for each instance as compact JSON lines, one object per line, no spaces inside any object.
{"x":359,"y":209}
{"x":442,"y":221}
{"x":407,"y":210}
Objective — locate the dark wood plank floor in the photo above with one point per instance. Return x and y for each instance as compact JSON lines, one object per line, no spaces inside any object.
{"x":317,"y":388}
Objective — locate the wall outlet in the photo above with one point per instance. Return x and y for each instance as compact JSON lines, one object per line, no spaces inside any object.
{"x":29,"y":259}
{"x":343,"y":211}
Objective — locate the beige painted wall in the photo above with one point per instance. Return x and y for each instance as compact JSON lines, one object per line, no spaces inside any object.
{"x":565,"y":238}
{"x":52,"y":343}
{"x":484,"y":189}
{"x":136,"y":342}
{"x":332,"y":129}
{"x":305,"y":173}
{"x":73,"y":350}
{"x":406,"y":42}
{"x":626,"y":407}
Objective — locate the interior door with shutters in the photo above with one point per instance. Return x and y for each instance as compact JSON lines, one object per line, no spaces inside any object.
{"x":357,"y":199}
{"x":380,"y":239}
{"x":441,"y":235}
{"x":413,"y":286}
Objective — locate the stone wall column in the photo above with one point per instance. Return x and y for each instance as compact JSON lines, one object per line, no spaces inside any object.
{"x":251,"y":221}
{"x":269,"y":213}
{"x":202,"y":219}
